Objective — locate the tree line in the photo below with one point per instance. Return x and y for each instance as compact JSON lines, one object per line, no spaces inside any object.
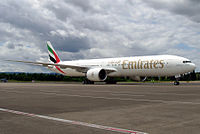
{"x":59,"y":77}
{"x":38,"y":77}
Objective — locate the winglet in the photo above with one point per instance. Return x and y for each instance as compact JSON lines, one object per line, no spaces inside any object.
{"x":52,"y":53}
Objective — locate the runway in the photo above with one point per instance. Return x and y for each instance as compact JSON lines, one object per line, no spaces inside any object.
{"x":152,"y":109}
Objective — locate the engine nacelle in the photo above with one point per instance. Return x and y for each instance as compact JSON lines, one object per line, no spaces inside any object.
{"x":96,"y":74}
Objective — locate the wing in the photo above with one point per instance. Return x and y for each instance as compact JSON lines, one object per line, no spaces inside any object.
{"x":45,"y":64}
{"x":82,"y":69}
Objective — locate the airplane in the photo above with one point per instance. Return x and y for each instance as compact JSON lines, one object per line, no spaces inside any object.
{"x":96,"y":70}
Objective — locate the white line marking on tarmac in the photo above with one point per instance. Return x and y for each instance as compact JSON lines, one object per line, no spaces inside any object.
{"x":119,"y":130}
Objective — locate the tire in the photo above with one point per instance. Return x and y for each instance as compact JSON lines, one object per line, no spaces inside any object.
{"x":111,"y":82}
{"x":88,"y":82}
{"x":176,"y":83}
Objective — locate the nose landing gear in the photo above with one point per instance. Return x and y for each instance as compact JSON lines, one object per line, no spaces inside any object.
{"x":176,"y":82}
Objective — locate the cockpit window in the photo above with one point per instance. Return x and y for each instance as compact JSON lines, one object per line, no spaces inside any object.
{"x":187,"y":62}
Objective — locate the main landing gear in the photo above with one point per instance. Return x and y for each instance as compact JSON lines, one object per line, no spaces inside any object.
{"x":111,"y":82}
{"x":176,"y":82}
{"x":86,"y":81}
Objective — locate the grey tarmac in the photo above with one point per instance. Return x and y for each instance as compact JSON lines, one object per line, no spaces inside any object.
{"x":150,"y":108}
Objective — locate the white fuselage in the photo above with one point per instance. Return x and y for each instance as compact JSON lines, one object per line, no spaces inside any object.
{"x":158,"y":65}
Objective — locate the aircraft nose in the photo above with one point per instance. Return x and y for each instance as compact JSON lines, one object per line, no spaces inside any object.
{"x":193,"y":66}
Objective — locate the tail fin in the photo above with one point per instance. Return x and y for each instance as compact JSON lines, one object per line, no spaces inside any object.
{"x":53,"y":56}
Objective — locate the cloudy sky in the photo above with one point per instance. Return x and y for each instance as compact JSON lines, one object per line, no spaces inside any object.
{"x":82,"y":29}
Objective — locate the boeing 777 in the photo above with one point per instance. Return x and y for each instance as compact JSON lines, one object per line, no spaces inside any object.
{"x":132,"y":67}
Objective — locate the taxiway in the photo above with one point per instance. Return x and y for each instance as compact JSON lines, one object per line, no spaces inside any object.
{"x":153,"y":109}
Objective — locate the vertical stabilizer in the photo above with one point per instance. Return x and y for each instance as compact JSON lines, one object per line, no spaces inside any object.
{"x":53,"y":56}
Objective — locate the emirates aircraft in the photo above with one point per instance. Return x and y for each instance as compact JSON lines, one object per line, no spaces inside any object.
{"x":132,"y":67}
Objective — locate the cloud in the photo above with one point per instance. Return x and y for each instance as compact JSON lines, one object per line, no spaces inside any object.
{"x":187,"y":8}
{"x":83,"y":29}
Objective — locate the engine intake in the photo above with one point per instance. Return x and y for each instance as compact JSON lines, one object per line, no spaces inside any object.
{"x":96,"y":74}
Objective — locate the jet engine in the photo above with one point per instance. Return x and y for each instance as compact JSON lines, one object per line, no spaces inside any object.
{"x":96,"y":74}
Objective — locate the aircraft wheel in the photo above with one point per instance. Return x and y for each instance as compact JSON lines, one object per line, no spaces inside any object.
{"x":111,"y":82}
{"x":176,"y":83}
{"x":88,"y":82}
{"x":84,"y":82}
